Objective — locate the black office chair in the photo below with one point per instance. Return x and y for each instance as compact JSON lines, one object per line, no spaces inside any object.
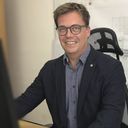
{"x":105,"y":40}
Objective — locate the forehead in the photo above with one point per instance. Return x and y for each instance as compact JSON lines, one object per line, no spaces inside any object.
{"x":70,"y":18}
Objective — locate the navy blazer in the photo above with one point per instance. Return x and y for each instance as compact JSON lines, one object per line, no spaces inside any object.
{"x":101,"y":93}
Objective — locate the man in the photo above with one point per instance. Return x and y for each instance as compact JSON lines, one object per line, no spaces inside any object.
{"x":83,"y":88}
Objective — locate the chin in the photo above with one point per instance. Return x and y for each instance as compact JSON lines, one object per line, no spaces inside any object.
{"x":71,"y":52}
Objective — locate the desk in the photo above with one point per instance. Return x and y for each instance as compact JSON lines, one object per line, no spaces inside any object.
{"x":26,"y":124}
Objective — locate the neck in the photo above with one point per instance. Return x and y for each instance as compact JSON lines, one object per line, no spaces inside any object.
{"x":73,"y":61}
{"x":74,"y":57}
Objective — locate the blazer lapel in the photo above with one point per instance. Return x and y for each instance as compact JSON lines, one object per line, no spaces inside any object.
{"x":85,"y":80}
{"x":61,"y":91}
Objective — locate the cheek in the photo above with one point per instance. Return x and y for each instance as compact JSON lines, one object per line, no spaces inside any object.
{"x":62,"y":39}
{"x":85,"y":36}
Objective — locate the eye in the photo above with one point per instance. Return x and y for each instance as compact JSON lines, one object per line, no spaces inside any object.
{"x":75,"y":28}
{"x":61,"y":28}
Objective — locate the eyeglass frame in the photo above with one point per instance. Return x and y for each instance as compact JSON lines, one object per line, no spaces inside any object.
{"x":70,"y":28}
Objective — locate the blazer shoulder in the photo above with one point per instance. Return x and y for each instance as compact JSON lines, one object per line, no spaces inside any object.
{"x":103,"y":61}
{"x":55,"y":61}
{"x":107,"y":63}
{"x":52,"y":64}
{"x":101,"y":57}
{"x":107,"y":59}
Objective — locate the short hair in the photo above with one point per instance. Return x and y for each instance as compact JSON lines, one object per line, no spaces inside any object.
{"x":70,"y":7}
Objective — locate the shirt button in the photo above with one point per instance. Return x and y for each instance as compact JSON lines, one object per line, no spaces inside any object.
{"x":74,"y":102}
{"x":74,"y":86}
{"x":74,"y":117}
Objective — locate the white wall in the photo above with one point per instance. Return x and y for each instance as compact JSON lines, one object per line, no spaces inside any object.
{"x":30,"y":31}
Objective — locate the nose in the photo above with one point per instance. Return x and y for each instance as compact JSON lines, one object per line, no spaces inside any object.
{"x":69,"y":33}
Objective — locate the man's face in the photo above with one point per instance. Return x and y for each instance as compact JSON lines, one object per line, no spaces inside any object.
{"x":73,"y":43}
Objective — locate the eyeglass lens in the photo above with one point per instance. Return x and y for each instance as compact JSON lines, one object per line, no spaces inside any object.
{"x":74,"y":29}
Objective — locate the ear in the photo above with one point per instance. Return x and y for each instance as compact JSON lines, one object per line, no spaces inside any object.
{"x":88,"y":31}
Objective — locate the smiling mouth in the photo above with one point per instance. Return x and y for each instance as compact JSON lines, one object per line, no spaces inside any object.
{"x":70,"y":42}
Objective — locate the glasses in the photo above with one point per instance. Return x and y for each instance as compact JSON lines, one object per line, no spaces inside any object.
{"x":74,"y":29}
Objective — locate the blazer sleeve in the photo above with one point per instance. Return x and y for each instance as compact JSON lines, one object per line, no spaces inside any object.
{"x":113,"y":100}
{"x":32,"y":97}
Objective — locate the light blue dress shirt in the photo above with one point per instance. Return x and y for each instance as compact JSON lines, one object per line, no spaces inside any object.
{"x":73,"y":79}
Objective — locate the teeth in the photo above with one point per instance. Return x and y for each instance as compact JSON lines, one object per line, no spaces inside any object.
{"x":70,"y":42}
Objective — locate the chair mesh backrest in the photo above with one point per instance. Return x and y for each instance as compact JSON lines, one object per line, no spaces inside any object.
{"x":105,"y":40}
